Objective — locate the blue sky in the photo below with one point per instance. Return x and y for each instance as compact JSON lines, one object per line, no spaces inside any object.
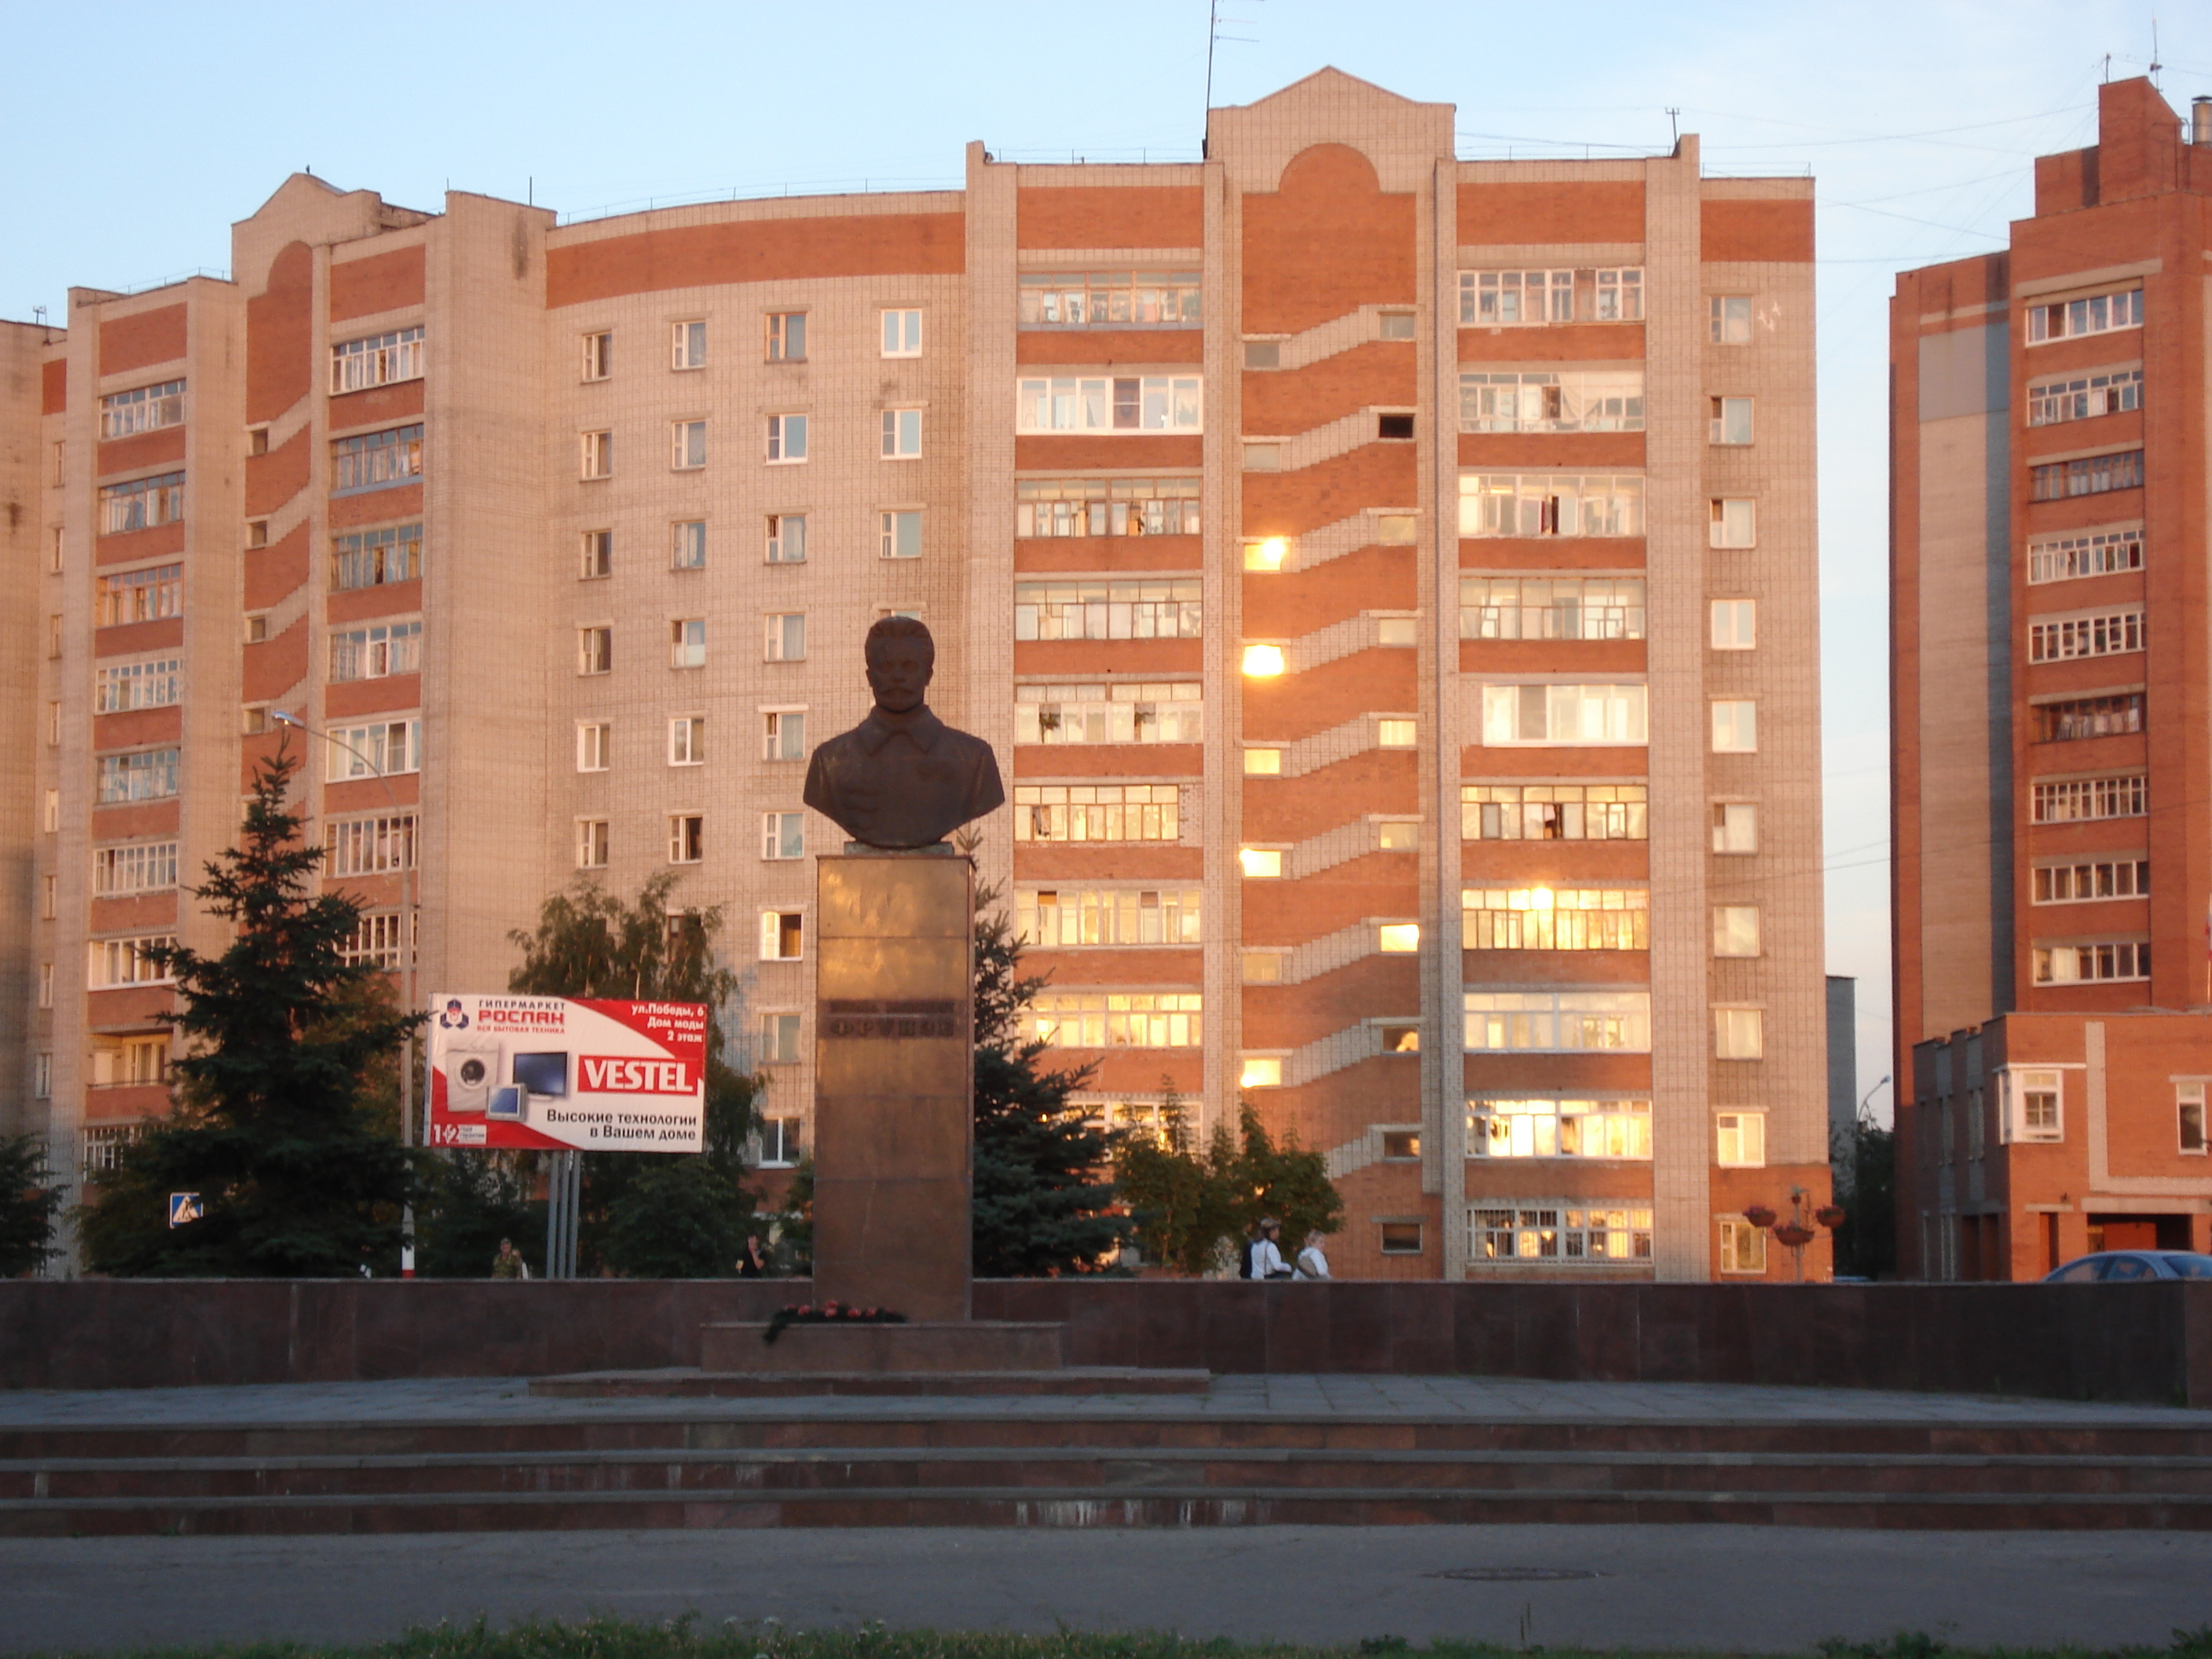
{"x":129,"y":160}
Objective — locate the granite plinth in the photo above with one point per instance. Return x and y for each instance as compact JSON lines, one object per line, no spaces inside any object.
{"x":894,"y":1083}
{"x":912,"y":1349}
{"x":1074,"y":1380}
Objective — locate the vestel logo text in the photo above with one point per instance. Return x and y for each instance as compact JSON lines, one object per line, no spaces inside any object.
{"x":615,"y":1075}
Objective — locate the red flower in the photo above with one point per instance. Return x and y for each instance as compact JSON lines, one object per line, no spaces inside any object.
{"x":1793,"y":1235}
{"x":1759,"y":1215}
{"x":1831,"y":1216}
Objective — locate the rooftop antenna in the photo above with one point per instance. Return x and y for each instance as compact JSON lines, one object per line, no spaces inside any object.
{"x":2155,"y":66}
{"x":1213,"y":38}
{"x":1674,"y":126}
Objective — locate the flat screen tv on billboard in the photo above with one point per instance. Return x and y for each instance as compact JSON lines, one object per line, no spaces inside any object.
{"x":553,"y":1073}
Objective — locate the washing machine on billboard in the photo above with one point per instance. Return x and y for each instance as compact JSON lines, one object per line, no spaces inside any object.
{"x":472,"y":1069}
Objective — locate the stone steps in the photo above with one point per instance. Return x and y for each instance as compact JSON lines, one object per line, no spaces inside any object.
{"x":1031,"y":1469}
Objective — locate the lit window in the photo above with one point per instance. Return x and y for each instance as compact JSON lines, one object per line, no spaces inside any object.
{"x":1743,"y":1246}
{"x":1559,"y":1232}
{"x":1394,"y":734}
{"x":1735,"y":827}
{"x":687,"y":345}
{"x":1260,"y":1072}
{"x":783,"y":936}
{"x":1263,"y":763}
{"x":1735,"y":727}
{"x":1735,"y":624}
{"x":1149,"y":403}
{"x":1742,"y":1139}
{"x":1555,"y":811}
{"x":1398,"y":937}
{"x":902,"y":333}
{"x":1733,"y":521}
{"x":1557,"y":1022}
{"x":1738,"y":1033}
{"x":1268,"y":554}
{"x":1544,"y":504}
{"x":1260,"y":863}
{"x":1551,"y":1128}
{"x":1263,"y":967}
{"x":1097,"y":811}
{"x":1736,"y":930}
{"x":1564,"y":715}
{"x":1061,"y":917}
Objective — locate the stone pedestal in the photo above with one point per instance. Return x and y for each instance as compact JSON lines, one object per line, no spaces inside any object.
{"x":972,"y":1345}
{"x":894,"y":1081}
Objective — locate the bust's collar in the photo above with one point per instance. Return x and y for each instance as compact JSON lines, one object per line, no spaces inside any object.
{"x":921,"y":727}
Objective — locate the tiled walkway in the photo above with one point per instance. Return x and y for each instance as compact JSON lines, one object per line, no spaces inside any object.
{"x":1496,"y":1399}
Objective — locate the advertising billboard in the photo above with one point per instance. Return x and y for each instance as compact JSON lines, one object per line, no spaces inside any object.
{"x":555,"y":1073}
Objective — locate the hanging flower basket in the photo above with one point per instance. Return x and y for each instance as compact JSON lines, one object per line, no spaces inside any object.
{"x":1793,"y":1235}
{"x":1831,"y":1216}
{"x":1759,"y":1215}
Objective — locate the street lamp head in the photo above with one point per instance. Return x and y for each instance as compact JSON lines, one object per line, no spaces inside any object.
{"x":284,"y":719}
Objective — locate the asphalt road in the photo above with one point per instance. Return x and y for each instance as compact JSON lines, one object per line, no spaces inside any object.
{"x":1747,"y":1588}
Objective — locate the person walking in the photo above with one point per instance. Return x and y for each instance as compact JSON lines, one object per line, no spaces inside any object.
{"x":508,"y":1263}
{"x":1312,"y":1264}
{"x":1267,"y":1253}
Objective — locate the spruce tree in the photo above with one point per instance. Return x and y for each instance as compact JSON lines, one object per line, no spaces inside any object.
{"x":286,"y":1049}
{"x":28,"y":1203}
{"x":1044,"y":1200}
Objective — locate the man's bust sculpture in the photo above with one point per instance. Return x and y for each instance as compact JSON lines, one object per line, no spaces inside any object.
{"x":903,"y":778}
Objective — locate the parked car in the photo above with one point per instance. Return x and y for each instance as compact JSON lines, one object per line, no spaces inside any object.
{"x":2106,"y":1266}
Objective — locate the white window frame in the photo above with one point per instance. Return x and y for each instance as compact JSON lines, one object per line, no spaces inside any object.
{"x":890,"y":524}
{"x":402,"y":734}
{"x":1742,"y":1247}
{"x":786,"y":539}
{"x":595,"y":648}
{"x":1732,"y":523}
{"x":595,"y":455}
{"x":1738,"y":925}
{"x":1623,"y":715}
{"x":1730,"y":317}
{"x":687,"y":642}
{"x":902,"y":434}
{"x":687,"y":739}
{"x":2015,"y":1083}
{"x":777,"y":829}
{"x":901,"y":331}
{"x":775,"y":336}
{"x":1739,"y":1033}
{"x":592,"y":843}
{"x":779,"y":631}
{"x":774,"y":1023}
{"x":2186,"y":1095}
{"x":1739,"y":1139}
{"x":1734,"y":726}
{"x":687,"y":544}
{"x":595,"y":745}
{"x":787,"y":441}
{"x":595,"y":554}
{"x":687,"y":837}
{"x":687,"y":344}
{"x":597,"y":346}
{"x":1735,"y":624}
{"x":775,"y":723}
{"x":1730,"y":415}
{"x":687,"y":445}
{"x":1053,"y":404}
{"x":772,"y":934}
{"x":376,"y":360}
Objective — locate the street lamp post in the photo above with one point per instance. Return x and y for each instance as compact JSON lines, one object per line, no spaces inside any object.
{"x":405,"y":856}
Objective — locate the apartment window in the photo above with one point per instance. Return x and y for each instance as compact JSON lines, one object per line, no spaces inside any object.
{"x":783,"y":835}
{"x":379,"y":359}
{"x":1738,"y":1033}
{"x":1263,"y":354}
{"x":2094,"y":878}
{"x":1263,"y":763}
{"x":1736,"y":930}
{"x":780,"y":1145}
{"x":687,"y":837}
{"x":1742,"y":1139}
{"x":1165,"y":608}
{"x":141,"y":504}
{"x":253,"y":719}
{"x":902,"y":434}
{"x":383,"y":747}
{"x":2091,"y":553}
{"x":595,"y":745}
{"x":597,"y":454}
{"x":1059,"y":916}
{"x":687,"y":445}
{"x":1743,"y":1246}
{"x":1565,"y":716}
{"x":597,"y":555}
{"x":119,"y":962}
{"x":1551,"y":607}
{"x":1556,"y":919}
{"x":1260,"y":1072}
{"x":1120,"y":299}
{"x":54,"y":550}
{"x":783,"y":735}
{"x":687,"y":344}
{"x":53,"y":819}
{"x":1728,"y":319}
{"x":1394,"y":734}
{"x":1550,"y":400}
{"x":600,"y":355}
{"x":1148,"y":403}
{"x":1522,"y":299}
{"x":1260,"y":863}
{"x":257,"y":532}
{"x":1554,"y":812}
{"x":142,"y":682}
{"x":1115,"y":1019}
{"x":687,"y":548}
{"x":1567,"y":1232}
{"x":902,"y":333}
{"x":1103,"y":507}
{"x":786,"y":636}
{"x":2091,"y":475}
{"x":377,"y":941}
{"x":144,"y":775}
{"x":376,"y":651}
{"x":1394,"y":426}
{"x":595,"y":650}
{"x":1731,"y":421}
{"x":2076,"y":717}
{"x":1557,"y":1022}
{"x":2189,"y":1114}
{"x":46,"y":985}
{"x":1735,"y":727}
{"x":1124,"y":712}
{"x":2079,"y":801}
{"x":782,"y":936}
{"x":591,"y":843}
{"x":374,"y":558}
{"x":1528,"y":504}
{"x":1735,"y":827}
{"x":778,"y":1039}
{"x":898,"y":533}
{"x":376,"y":846}
{"x":786,"y":340}
{"x":143,"y":866}
{"x":376,"y":460}
{"x":786,"y":439}
{"x":2036,"y":1097}
{"x":143,"y":409}
{"x":2084,"y":397}
{"x":687,"y":741}
{"x":1735,"y":625}
{"x":2104,"y":633}
{"x":2081,"y":964}
{"x":53,"y":725}
{"x":1733,"y":522}
{"x":137,"y":596}
{"x":49,"y":894}
{"x":257,"y":628}
{"x":1558,"y":1128}
{"x":786,"y":539}
{"x":1089,"y":813}
{"x":54,"y":631}
{"x":1393,"y":326}
{"x":2099,"y":313}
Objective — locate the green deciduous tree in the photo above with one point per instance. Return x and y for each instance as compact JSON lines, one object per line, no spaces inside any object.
{"x":1866,"y":1167}
{"x":282,"y":1121}
{"x":473,"y":1199}
{"x":591,"y":944}
{"x":1189,"y":1203}
{"x":29,"y":1200}
{"x":1044,"y":1201}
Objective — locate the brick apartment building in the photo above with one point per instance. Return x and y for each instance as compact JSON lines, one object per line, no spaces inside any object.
{"x":2052,"y":754}
{"x":1389,"y":582}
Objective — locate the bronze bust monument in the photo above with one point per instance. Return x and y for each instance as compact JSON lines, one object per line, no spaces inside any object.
{"x":903,"y":778}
